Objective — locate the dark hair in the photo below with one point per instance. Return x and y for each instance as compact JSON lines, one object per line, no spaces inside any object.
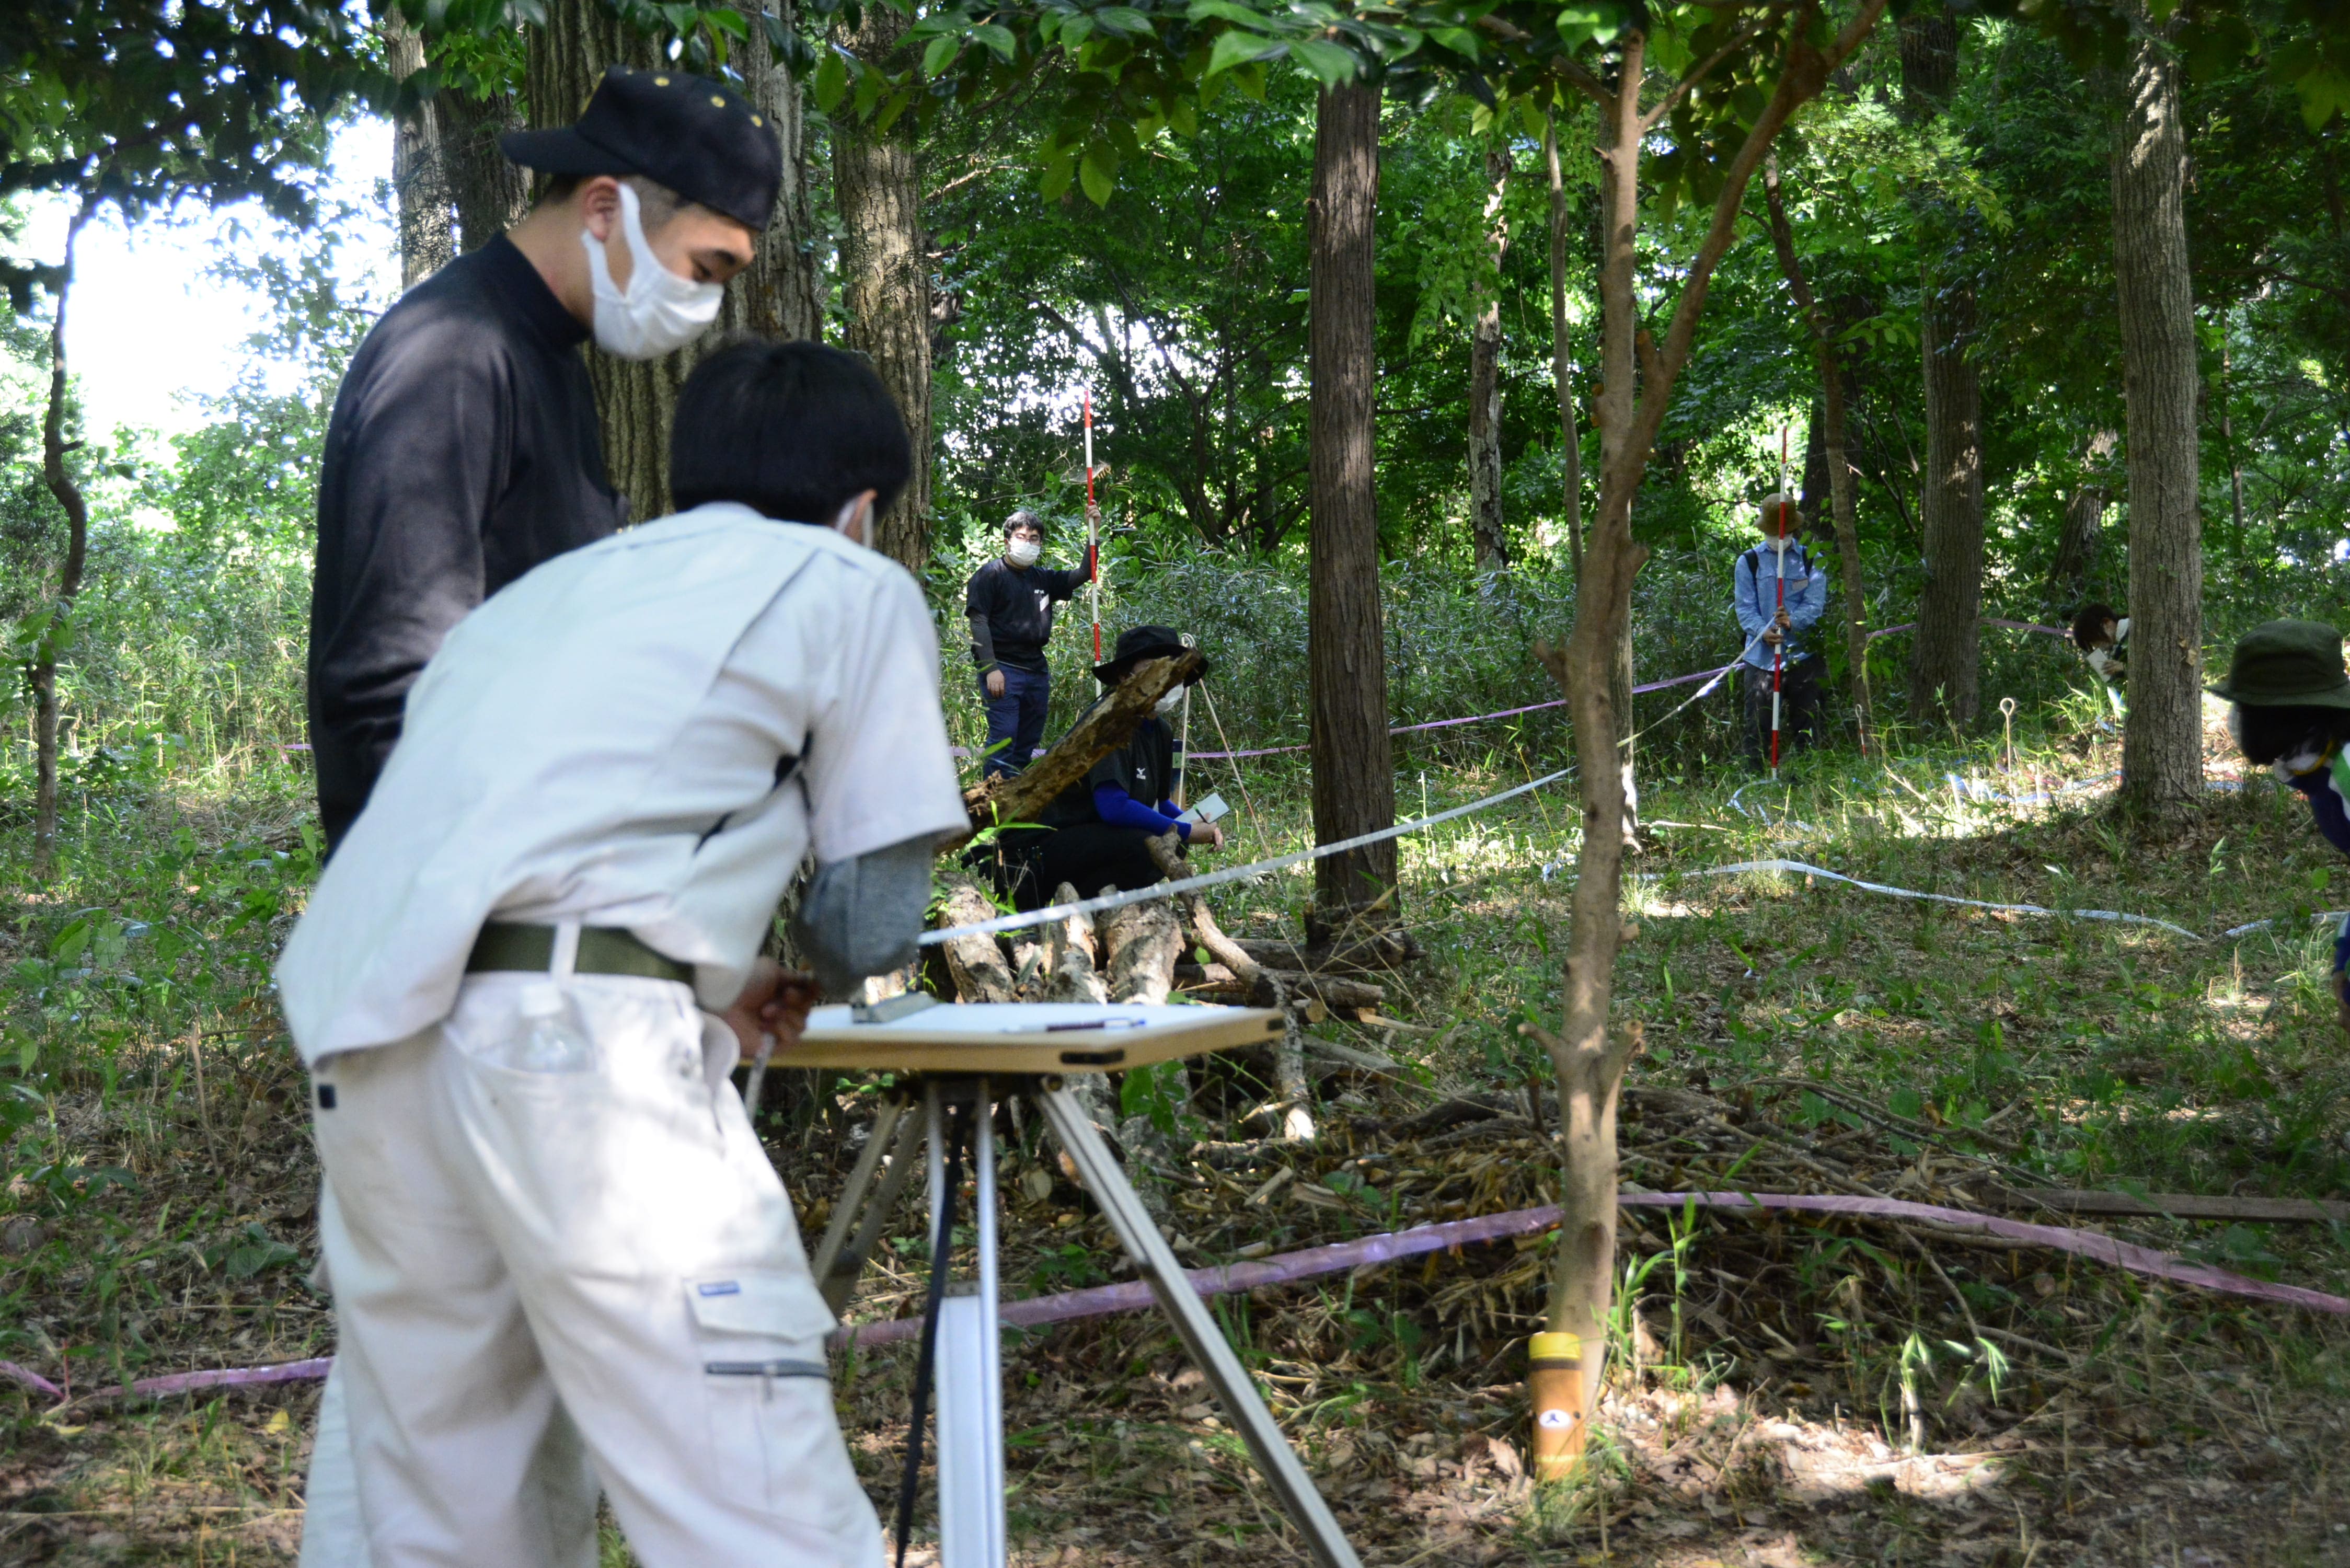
{"x":657,"y":202}
{"x":2270,"y":734}
{"x":1023,"y":518}
{"x":793,"y":430}
{"x":2089,"y":625}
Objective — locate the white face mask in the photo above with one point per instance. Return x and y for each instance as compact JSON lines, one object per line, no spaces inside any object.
{"x":1167,"y":704}
{"x":1022,"y":552}
{"x":661,"y":311}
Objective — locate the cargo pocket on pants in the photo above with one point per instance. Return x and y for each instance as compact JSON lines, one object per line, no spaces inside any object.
{"x":767,"y":1389}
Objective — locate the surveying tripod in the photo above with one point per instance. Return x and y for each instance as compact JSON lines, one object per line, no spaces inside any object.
{"x":970,"y":1380}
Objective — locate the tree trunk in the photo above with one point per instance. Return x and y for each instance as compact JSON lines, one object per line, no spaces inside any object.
{"x":1587,"y":1059}
{"x":885,"y":274}
{"x":2162,"y":745}
{"x":1946,"y":652}
{"x":1485,"y":380}
{"x":1562,"y":356}
{"x":777,"y":294}
{"x":418,"y":173}
{"x":1832,"y":439}
{"x":56,"y":629}
{"x":1945,"y":655}
{"x":1353,"y":772}
{"x":489,"y":191}
{"x":2076,"y":546}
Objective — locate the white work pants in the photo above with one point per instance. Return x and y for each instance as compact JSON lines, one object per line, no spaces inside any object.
{"x":547,"y":1280}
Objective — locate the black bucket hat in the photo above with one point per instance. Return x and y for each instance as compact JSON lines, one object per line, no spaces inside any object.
{"x":2287,"y":664}
{"x":1137,"y":643}
{"x":694,"y":136}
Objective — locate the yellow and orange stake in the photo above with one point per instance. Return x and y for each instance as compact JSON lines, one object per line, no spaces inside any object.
{"x":1554,"y":1380}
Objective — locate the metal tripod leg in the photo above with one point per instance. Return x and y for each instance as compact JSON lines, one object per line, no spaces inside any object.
{"x":840,"y":1257}
{"x":1156,"y":1261}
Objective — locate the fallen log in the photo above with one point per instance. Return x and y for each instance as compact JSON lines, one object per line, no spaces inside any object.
{"x":1385,"y":951}
{"x":1325,"y":989}
{"x":1108,"y":724}
{"x":975,"y":962}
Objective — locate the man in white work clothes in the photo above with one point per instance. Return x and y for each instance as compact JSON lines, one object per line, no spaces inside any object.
{"x":560,"y":1258}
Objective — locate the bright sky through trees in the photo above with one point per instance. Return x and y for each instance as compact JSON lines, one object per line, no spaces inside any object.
{"x":152,"y":329}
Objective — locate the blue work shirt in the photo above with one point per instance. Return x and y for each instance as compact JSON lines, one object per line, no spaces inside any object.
{"x":2327,"y":785}
{"x":1756,"y":596}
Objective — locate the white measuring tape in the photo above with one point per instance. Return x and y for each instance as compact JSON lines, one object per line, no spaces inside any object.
{"x":1230,"y":873}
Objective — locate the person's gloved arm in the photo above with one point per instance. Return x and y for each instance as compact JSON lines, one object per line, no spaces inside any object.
{"x":983,"y":640}
{"x":1119,"y":809}
{"x":861,"y":917}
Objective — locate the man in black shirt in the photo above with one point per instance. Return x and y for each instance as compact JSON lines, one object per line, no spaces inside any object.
{"x":462,"y":449}
{"x":1010,"y":606}
{"x":1096,"y":830}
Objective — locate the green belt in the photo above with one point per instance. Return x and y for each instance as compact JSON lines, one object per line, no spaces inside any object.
{"x":603,"y":950}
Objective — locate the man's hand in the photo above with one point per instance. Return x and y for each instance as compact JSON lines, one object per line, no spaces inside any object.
{"x":1783,"y":619}
{"x":775,"y":1001}
{"x":1206,"y":836}
{"x":1771,"y":634}
{"x":993,"y":682}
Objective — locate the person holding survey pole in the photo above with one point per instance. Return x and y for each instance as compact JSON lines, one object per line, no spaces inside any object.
{"x":462,"y":448}
{"x":561,"y":1260}
{"x":1779,"y":595}
{"x":1009,"y":604}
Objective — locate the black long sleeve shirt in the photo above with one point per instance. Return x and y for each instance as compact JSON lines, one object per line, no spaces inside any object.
{"x":462,"y":452}
{"x":1011,"y":612}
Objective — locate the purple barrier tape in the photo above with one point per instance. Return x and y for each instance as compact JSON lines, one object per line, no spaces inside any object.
{"x":1135,"y":1294}
{"x":30,"y":1379}
{"x":180,"y":1382}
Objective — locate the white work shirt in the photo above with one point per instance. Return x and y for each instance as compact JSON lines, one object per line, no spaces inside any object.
{"x":602,"y":741}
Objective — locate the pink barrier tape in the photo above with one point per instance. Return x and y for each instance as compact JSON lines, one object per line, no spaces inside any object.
{"x":2091,"y":1244}
{"x":1232,"y":1278}
{"x":178,"y":1382}
{"x":30,"y":1379}
{"x":1135,"y":1295}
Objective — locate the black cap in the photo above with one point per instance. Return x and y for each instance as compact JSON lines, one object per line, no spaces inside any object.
{"x":694,"y":136}
{"x":1137,"y":643}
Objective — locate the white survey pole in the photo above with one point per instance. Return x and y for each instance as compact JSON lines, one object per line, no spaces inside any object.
{"x":1093,"y":526}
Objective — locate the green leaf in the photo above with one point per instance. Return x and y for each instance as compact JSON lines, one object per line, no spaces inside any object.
{"x":1098,"y":172}
{"x":998,"y":38}
{"x":941,"y":51}
{"x":1224,"y":10}
{"x":1125,"y":21}
{"x":1075,"y":31}
{"x":1328,"y":62}
{"x":831,"y":81}
{"x":1236,"y":47}
{"x":1060,"y":168}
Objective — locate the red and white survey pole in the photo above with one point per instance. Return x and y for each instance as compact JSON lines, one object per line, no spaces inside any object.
{"x":1093,"y":526}
{"x":1779,"y":643}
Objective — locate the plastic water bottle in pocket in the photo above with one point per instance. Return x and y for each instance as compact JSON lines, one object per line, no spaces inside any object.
{"x":545,"y":1036}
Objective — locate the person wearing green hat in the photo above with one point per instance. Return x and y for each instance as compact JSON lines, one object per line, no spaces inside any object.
{"x":2290,"y":710}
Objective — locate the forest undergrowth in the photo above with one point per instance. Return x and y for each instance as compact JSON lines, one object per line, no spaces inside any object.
{"x":1801,"y":1390}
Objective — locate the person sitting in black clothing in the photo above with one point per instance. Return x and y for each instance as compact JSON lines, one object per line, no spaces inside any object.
{"x":1097,"y":831}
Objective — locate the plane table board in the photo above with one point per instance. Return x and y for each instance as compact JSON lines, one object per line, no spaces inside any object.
{"x":1025,"y":1037}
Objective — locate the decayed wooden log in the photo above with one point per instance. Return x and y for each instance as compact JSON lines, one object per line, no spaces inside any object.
{"x":975,"y":962}
{"x":1108,"y":724}
{"x":1069,"y":951}
{"x":1383,"y":952}
{"x":1141,"y":942}
{"x":1334,"y":993}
